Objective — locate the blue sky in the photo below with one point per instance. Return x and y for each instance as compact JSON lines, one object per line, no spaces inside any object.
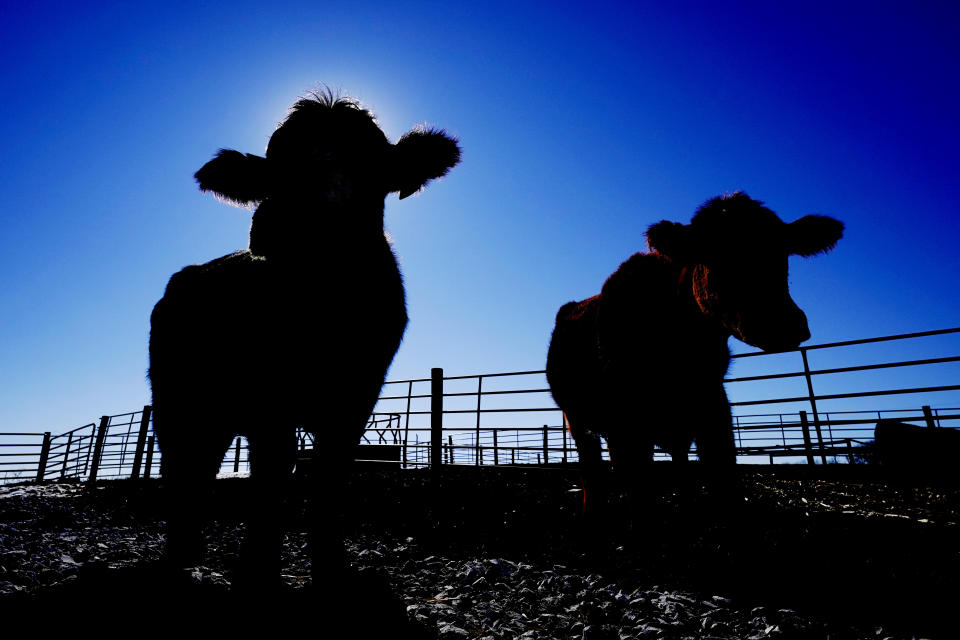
{"x":580,"y":124}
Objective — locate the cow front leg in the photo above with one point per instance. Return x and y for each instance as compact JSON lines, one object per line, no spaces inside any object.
{"x":717,"y":451}
{"x":716,"y":447}
{"x":188,"y":466}
{"x":594,"y":478}
{"x":325,"y":514}
{"x":334,"y":461}
{"x":632,"y":462}
{"x":272,"y":459}
{"x":713,"y":430}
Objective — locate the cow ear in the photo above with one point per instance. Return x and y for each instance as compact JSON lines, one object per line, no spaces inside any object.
{"x":674,"y":240}
{"x":813,"y":234}
{"x":236,"y":178}
{"x":419,"y":156}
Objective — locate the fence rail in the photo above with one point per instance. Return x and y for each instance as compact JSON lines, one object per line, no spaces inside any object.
{"x":510,"y":418}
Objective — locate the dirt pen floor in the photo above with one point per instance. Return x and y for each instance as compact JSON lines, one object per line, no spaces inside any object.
{"x":801,"y":552}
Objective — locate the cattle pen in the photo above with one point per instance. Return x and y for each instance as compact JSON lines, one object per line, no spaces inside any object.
{"x":817,"y":404}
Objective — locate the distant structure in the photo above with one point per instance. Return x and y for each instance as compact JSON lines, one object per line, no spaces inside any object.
{"x":642,"y":363}
{"x":296,"y":330}
{"x":923,"y":452}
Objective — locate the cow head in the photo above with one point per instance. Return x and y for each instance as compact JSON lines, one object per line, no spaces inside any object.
{"x":736,"y":251}
{"x":330,"y":150}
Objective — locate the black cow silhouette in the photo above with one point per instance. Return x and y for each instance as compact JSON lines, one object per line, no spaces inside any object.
{"x":643,"y":362}
{"x":297,"y":330}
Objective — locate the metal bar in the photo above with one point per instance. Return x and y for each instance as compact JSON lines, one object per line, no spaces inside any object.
{"x":66,"y":456}
{"x":436,"y":418}
{"x":806,"y":437}
{"x":406,"y":430}
{"x":928,"y":416}
{"x":149,"y":464}
{"x":44,"y":455}
{"x":913,"y":418}
{"x":126,"y":441}
{"x":546,"y":444}
{"x":451,"y":411}
{"x":563,"y":429}
{"x":98,"y":449}
{"x":141,"y":441}
{"x":479,"y":398}
{"x":866,"y":367}
{"x":508,"y":373}
{"x":93,"y":433}
{"x":839,"y":396}
{"x":847,"y":343}
{"x":812,"y":397}
{"x":493,"y":393}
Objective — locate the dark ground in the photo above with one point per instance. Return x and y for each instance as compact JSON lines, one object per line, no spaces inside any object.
{"x":845,"y":544}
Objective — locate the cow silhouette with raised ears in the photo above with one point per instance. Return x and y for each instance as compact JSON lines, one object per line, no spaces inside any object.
{"x":295,"y":331}
{"x":642,"y":363}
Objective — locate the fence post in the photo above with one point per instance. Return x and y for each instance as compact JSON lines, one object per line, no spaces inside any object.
{"x":436,"y":419}
{"x":141,"y":441}
{"x":236,"y":454}
{"x":98,"y":449}
{"x":928,"y":416}
{"x":479,"y":398}
{"x":546,"y":444}
{"x":146,"y":472}
{"x":563,"y":428}
{"x":823,"y":455}
{"x":86,"y":462}
{"x":66,"y":456}
{"x":496,"y":448}
{"x":806,"y":437}
{"x":44,"y":455}
{"x":813,"y":398}
{"x":406,"y":428}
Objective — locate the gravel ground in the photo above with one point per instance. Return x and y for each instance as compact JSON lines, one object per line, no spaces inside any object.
{"x":503,"y":554}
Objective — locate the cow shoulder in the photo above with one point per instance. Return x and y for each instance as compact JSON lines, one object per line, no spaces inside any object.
{"x":636,"y":299}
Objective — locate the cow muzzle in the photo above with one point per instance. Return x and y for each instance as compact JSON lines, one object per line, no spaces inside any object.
{"x":774,"y":332}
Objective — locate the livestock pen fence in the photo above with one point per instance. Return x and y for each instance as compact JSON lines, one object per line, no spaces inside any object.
{"x":817,"y":411}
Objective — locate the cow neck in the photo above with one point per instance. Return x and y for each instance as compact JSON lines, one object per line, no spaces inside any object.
{"x":684,"y":288}
{"x":285,"y":235}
